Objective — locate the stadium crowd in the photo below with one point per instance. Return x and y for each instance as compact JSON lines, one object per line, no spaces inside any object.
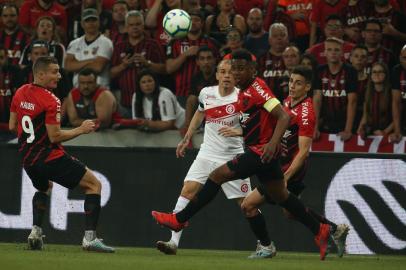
{"x":120,"y":67}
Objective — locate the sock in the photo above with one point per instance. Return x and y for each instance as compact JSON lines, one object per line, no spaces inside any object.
{"x":90,"y":235}
{"x":297,"y":209}
{"x":258,"y":227}
{"x":92,"y":211}
{"x":203,"y":197}
{"x":322,"y":219}
{"x":39,"y":206}
{"x":180,"y":205}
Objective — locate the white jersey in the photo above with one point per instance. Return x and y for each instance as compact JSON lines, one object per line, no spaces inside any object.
{"x":81,"y":50}
{"x":169,"y":107}
{"x":219,"y":111}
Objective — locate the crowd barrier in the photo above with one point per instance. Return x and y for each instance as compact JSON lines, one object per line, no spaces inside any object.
{"x":367,"y":191}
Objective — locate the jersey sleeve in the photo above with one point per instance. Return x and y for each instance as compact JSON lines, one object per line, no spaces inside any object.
{"x":200,"y":107}
{"x":307,"y":121}
{"x":265,"y":97}
{"x":52,"y":111}
{"x":167,"y":105}
{"x":72,"y":47}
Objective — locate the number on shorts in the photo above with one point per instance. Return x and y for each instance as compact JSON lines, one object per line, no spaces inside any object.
{"x":28,"y":128}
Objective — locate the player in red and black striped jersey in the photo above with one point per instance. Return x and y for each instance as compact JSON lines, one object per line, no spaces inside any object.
{"x":399,"y":98}
{"x":295,"y":146}
{"x":263,"y":122}
{"x":335,"y":99}
{"x":13,"y":38}
{"x":35,"y":116}
{"x":130,"y":56}
{"x":181,"y":54}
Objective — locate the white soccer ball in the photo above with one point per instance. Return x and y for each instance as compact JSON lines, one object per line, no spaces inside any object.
{"x":177,"y":23}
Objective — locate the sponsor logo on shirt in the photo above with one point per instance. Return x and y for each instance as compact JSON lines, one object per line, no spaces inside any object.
{"x":334,"y":93}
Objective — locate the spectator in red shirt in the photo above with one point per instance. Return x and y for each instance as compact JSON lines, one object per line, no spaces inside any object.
{"x":320,"y":11}
{"x":130,"y":56}
{"x":242,"y":7}
{"x":12,"y":37}
{"x":299,"y":11}
{"x":32,"y":10}
{"x":334,"y":29}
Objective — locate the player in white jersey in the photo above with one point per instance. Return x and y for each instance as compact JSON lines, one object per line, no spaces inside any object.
{"x":217,"y":105}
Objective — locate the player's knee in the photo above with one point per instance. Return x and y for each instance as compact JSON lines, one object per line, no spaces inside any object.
{"x":249,"y":209}
{"x":187,"y":193}
{"x":287,"y":214}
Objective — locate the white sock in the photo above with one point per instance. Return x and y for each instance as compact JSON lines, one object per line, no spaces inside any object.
{"x":180,"y":204}
{"x":90,"y":235}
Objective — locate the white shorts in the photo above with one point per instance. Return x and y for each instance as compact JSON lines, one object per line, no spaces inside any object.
{"x":200,"y":170}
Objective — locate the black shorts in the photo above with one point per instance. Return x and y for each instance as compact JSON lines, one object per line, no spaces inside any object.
{"x":295,"y":185}
{"x":249,"y":163}
{"x":66,"y":171}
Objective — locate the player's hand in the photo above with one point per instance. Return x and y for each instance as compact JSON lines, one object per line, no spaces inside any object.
{"x":270,"y":150}
{"x":316,"y":134}
{"x":192,"y":51}
{"x":182,"y":145}
{"x":230,"y":131}
{"x":395,"y":137}
{"x":88,"y":126}
{"x":344,"y":135}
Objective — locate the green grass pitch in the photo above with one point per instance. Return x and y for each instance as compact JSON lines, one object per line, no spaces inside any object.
{"x":61,"y":257}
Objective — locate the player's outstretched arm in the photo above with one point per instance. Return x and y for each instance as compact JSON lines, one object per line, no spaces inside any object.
{"x":194,"y":124}
{"x":57,"y":135}
{"x":227,"y":131}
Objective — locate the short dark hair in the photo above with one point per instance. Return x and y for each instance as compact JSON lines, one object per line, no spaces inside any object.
{"x":373,"y":21}
{"x":334,"y":17}
{"x":87,"y":72}
{"x":42,"y":63}
{"x":242,"y":54}
{"x":123,"y":2}
{"x":360,"y":46}
{"x":204,"y":48}
{"x":8,"y":5}
{"x":305,"y":72}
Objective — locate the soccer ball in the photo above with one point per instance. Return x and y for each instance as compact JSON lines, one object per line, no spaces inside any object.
{"x":177,"y":23}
